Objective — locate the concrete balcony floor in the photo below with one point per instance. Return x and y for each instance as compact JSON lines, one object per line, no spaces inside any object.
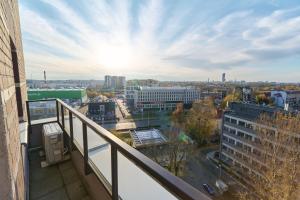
{"x":60,"y":181}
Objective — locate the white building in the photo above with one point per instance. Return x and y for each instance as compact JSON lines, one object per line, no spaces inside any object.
{"x":162,"y":98}
{"x":287,"y":99}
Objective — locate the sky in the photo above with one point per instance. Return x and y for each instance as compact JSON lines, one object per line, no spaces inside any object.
{"x":180,"y":40}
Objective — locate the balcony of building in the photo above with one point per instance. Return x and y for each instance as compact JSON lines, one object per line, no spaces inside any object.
{"x":97,"y":164}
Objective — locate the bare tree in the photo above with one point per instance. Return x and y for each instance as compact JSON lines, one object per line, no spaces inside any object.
{"x":173,"y":154}
{"x":278,"y":143}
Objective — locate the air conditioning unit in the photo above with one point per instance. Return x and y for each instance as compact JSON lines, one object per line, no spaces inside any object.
{"x":53,"y":143}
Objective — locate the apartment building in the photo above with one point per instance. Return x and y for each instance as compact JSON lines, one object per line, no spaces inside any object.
{"x":239,"y":142}
{"x":114,"y":82}
{"x":13,"y":96}
{"x":161,"y":98}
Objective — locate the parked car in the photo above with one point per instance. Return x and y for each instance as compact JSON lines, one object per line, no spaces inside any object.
{"x":208,"y":189}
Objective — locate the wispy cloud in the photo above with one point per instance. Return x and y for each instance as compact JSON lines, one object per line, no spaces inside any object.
{"x":155,"y":38}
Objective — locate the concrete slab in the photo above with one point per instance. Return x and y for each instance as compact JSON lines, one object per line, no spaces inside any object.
{"x":59,"y":194}
{"x":76,"y":190}
{"x":65,"y":166}
{"x":70,"y":176}
{"x":56,"y":182}
{"x":45,"y":186}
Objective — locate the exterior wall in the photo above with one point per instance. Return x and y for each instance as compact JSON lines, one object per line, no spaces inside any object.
{"x":12,"y":88}
{"x":239,"y":147}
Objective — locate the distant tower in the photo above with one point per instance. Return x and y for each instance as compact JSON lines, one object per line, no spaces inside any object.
{"x":223,"y":77}
{"x":45,"y":78}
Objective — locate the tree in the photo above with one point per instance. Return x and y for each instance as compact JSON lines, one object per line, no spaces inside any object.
{"x":201,"y":120}
{"x":235,"y":96}
{"x":178,"y":116}
{"x":91,"y":93}
{"x":279,"y":147}
{"x":263,"y":99}
{"x":173,"y":154}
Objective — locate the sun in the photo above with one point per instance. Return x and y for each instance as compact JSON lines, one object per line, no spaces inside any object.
{"x":115,"y":57}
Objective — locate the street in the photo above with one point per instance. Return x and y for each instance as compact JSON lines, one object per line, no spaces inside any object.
{"x":200,"y":170}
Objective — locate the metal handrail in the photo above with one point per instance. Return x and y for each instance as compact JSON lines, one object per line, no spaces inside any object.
{"x":171,"y":183}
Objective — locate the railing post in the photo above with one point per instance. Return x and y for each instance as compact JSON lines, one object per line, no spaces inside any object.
{"x":62,"y":116}
{"x":28,"y":113}
{"x":57,"y":111}
{"x":85,"y":149}
{"x":71,"y":131}
{"x":114,"y":172}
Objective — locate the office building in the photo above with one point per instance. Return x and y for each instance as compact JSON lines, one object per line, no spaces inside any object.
{"x":240,"y":145}
{"x":101,"y":111}
{"x":161,"y":98}
{"x":287,"y":99}
{"x":223,"y":77}
{"x":114,"y":82}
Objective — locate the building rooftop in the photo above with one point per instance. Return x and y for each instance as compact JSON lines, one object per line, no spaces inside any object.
{"x":59,"y":89}
{"x":287,"y":91}
{"x":147,"y":138}
{"x":165,"y":88}
{"x":250,"y":111}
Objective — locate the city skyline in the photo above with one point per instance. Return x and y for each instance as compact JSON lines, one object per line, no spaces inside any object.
{"x":185,"y":40}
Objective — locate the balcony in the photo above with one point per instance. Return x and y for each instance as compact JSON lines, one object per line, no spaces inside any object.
{"x":107,"y":167}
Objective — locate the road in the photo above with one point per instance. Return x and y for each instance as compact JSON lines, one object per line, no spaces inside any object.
{"x":200,"y":170}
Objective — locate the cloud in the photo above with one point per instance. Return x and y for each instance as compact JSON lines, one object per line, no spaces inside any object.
{"x":147,"y":38}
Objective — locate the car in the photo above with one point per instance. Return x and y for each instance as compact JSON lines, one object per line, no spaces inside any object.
{"x":208,"y":189}
{"x":216,"y":154}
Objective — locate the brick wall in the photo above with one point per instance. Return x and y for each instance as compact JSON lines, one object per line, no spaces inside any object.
{"x":11,"y":166}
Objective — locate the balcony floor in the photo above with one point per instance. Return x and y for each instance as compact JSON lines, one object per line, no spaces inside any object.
{"x":59,"y":181}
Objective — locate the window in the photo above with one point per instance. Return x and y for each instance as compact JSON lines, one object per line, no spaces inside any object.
{"x":240,"y":134}
{"x":241,"y":123}
{"x":238,"y":144}
{"x":232,"y":131}
{"x":248,"y":137}
{"x":227,"y":119}
{"x":233,"y":121}
{"x":231,"y":141}
{"x":15,"y":63}
{"x":250,"y":126}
